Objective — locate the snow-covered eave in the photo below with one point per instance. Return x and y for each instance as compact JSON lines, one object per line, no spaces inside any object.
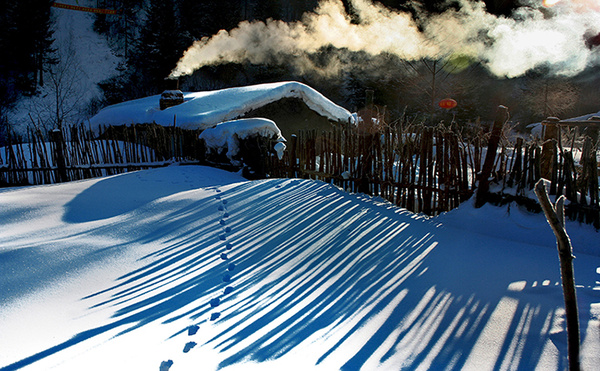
{"x":314,"y":100}
{"x":256,"y":96}
{"x":584,"y":117}
{"x":208,"y":108}
{"x":589,"y":116}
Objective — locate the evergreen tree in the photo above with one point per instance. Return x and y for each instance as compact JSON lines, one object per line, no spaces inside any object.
{"x":26,"y":41}
{"x":294,"y":9}
{"x":6,"y":29}
{"x":203,"y":18}
{"x":227,"y":14}
{"x":26,"y":44}
{"x":159,"y":46}
{"x":121,"y":30}
{"x":194,"y":17}
{"x":265,"y":9}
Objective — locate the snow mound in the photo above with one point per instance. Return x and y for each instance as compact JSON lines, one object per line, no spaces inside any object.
{"x":226,"y":135}
{"x":204,"y":109}
{"x":183,"y":266}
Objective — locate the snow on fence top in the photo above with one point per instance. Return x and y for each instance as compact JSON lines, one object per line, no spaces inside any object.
{"x":204,"y":109}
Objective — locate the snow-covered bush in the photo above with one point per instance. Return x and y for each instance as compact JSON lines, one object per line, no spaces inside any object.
{"x":243,"y":142}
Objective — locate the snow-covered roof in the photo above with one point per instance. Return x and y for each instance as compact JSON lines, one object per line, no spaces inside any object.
{"x":207,"y":108}
{"x":584,"y":117}
{"x":536,"y":128}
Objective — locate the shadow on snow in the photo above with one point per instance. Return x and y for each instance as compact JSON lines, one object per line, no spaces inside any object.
{"x":374,"y":281}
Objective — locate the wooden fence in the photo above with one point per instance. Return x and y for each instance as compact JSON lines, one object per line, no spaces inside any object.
{"x":423,"y":169}
{"x":433,"y":169}
{"x":76,"y":153}
{"x":420,"y":168}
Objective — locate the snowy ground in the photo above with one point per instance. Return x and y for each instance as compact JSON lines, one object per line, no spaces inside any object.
{"x":116,"y":273}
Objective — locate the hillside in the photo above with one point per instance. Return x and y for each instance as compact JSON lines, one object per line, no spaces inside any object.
{"x":186,"y":267}
{"x":84,"y":59}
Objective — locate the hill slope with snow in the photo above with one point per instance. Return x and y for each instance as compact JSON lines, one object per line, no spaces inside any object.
{"x":186,"y":267}
{"x":84,"y":59}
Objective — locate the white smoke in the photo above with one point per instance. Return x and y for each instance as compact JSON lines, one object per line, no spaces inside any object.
{"x":533,"y":36}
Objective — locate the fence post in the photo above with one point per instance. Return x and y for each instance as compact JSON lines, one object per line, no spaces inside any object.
{"x":292,"y":156}
{"x":490,"y":157}
{"x":589,"y":175}
{"x":366,"y":165}
{"x":59,"y":155}
{"x":549,"y":152}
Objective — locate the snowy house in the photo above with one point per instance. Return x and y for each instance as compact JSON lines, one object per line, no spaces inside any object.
{"x":293,"y":106}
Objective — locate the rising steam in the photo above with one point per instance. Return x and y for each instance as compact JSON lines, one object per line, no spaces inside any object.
{"x":536,"y":35}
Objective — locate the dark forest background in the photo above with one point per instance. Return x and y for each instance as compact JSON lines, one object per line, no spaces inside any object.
{"x":151,"y":35}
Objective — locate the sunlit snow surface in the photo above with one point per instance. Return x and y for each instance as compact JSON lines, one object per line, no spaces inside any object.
{"x":116,"y":273}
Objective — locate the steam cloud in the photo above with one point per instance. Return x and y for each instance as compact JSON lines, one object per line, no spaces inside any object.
{"x":533,"y":36}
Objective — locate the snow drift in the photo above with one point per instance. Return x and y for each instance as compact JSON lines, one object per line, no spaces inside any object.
{"x":187,"y":267}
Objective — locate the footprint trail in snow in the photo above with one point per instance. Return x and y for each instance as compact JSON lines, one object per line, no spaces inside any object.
{"x":226,"y":277}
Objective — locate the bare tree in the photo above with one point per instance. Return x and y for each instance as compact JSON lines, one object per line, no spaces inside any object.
{"x":60,"y":99}
{"x":556,"y":218}
{"x":548,"y":97}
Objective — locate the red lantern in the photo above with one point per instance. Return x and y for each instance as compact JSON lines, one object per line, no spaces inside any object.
{"x":448,"y":103}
